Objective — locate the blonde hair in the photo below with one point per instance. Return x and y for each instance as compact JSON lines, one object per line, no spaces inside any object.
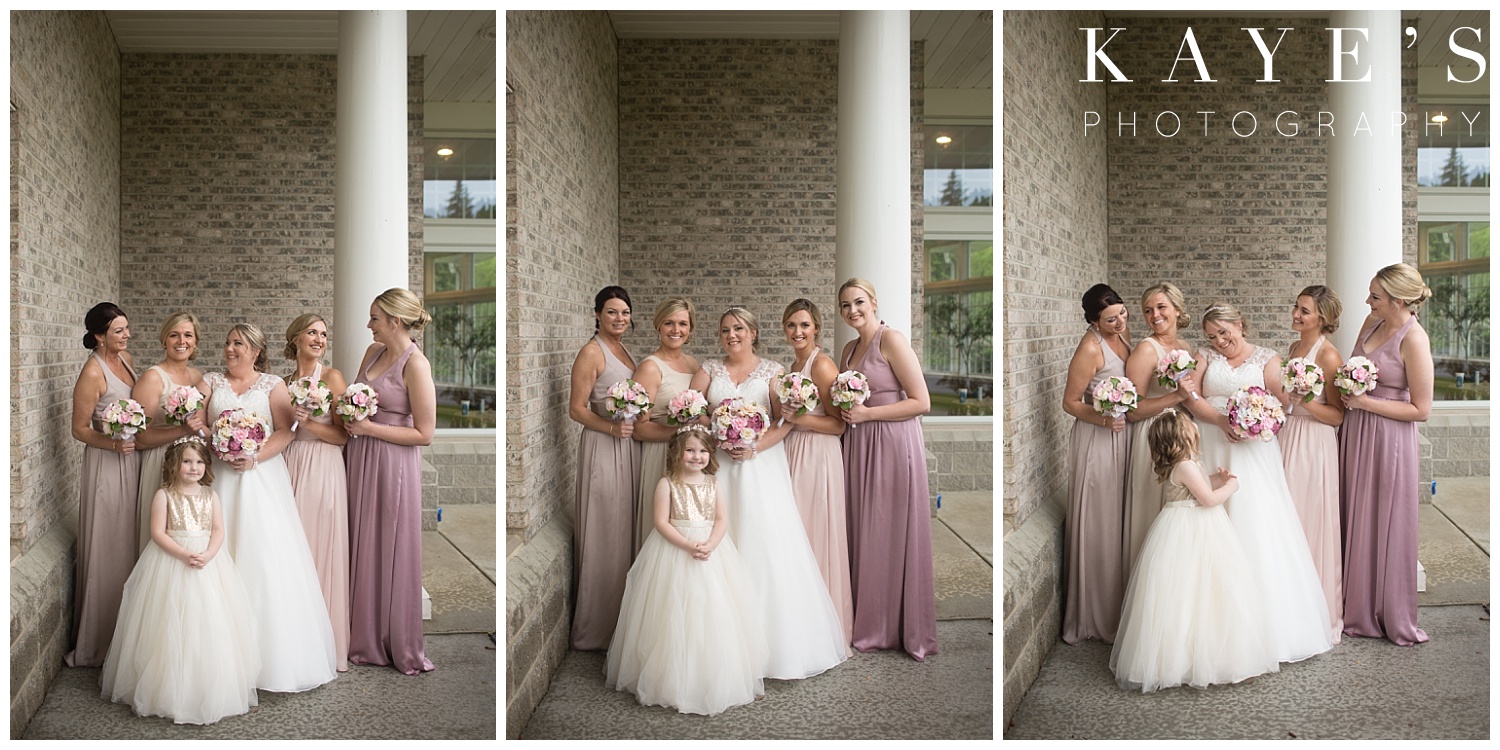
{"x":297,"y":328}
{"x":798,"y":305}
{"x":677,"y":447}
{"x":176,"y":319}
{"x":671,"y":306}
{"x":1329,"y":306}
{"x":1174,"y":298}
{"x":1174,"y":439}
{"x":173,"y":459}
{"x":255,"y":338}
{"x":1225,"y":312}
{"x":1404,"y":283}
{"x":404,"y":306}
{"x":744,"y":316}
{"x":858,"y":283}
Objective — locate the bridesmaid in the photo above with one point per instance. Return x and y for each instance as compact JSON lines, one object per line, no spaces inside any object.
{"x":1378,"y":462}
{"x":816,"y":460}
{"x":1165,"y":311}
{"x":107,"y":487}
{"x":384,"y":469}
{"x":885,"y":485}
{"x":179,"y":337}
{"x":315,"y":459}
{"x":664,"y":373}
{"x":1098,"y":455}
{"x":1310,"y":445}
{"x":609,"y":473}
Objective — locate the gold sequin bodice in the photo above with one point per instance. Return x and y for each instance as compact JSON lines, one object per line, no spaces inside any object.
{"x":693,"y":503}
{"x":190,"y":513}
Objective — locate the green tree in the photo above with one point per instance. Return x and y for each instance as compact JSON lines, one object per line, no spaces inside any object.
{"x":968,"y":328}
{"x":953,"y":191}
{"x":1454,"y":170}
{"x":460,"y":203}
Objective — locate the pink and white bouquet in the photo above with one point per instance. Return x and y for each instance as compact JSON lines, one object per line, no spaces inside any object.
{"x":797,"y":391}
{"x":626,"y":401}
{"x":124,"y":418}
{"x":181,"y":404}
{"x":1357,"y":377}
{"x":1302,"y":377}
{"x":239,"y":433}
{"x":738,"y":423}
{"x":309,"y":394}
{"x":686,"y":406}
{"x":1172,"y":365}
{"x":1254,"y":413}
{"x":850,"y":388}
{"x":1114,"y":396}
{"x":358,"y":402}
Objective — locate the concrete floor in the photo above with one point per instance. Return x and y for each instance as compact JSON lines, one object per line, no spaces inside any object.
{"x":883,"y":695}
{"x":455,"y":701}
{"x":1363,"y":688}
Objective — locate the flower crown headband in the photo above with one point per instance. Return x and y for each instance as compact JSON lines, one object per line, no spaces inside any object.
{"x":687,"y":428}
{"x":190,"y":439}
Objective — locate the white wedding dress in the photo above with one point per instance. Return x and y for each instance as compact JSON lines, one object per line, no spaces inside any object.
{"x":1263,"y":515}
{"x":264,"y":536}
{"x":801,"y":625}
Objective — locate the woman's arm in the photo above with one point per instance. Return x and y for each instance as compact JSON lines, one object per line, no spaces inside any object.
{"x":777,"y":429}
{"x":147,"y":392}
{"x":649,"y":375}
{"x":1141,"y":370}
{"x":588,"y":366}
{"x":1271,"y":373}
{"x":1417,"y":356}
{"x":86,"y":394}
{"x":908,"y":372}
{"x":333,"y":432}
{"x":1199,"y":407}
{"x":824,"y":373}
{"x":1087,"y":359}
{"x":1331,"y":413}
{"x":421,"y":394}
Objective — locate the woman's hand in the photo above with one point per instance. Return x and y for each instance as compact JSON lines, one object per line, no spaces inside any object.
{"x":1361,"y":402}
{"x":300,"y":413}
{"x":855,"y":414}
{"x":1117,"y":424}
{"x":243,"y":463}
{"x":1187,"y":385}
{"x":124,"y":447}
{"x":195,"y":421}
{"x":357,"y":427}
{"x":740,"y":453}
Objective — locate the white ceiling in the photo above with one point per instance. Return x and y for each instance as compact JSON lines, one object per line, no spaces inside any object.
{"x":458,"y":46}
{"x":959,"y":49}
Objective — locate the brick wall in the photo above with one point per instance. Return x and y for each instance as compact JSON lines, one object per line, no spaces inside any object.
{"x":227,"y":192}
{"x":728,"y":180}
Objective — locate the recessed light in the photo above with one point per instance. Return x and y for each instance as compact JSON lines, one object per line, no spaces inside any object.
{"x":943,"y":140}
{"x":445,"y":151}
{"x":1440,"y":117}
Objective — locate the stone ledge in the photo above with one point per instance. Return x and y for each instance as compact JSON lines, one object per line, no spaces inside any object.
{"x":1032,"y":598}
{"x":41,"y":604}
{"x":538,"y":605}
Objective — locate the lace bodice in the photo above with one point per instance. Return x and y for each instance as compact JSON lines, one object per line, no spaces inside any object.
{"x":1220,"y":381}
{"x":257,"y":398}
{"x":757,"y":386}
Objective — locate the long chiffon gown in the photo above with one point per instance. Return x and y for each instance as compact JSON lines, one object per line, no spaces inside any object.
{"x":1193,"y":613}
{"x":106,"y":536}
{"x":264,"y":536}
{"x":1143,"y":494}
{"x":385,"y":532}
{"x":1094,"y":579}
{"x":688,"y":635}
{"x":609,"y":473}
{"x":816,"y":462}
{"x":654,"y":454}
{"x":1263,"y":516}
{"x":801,"y":625}
{"x":322,"y":491}
{"x":185,"y":646}
{"x":890,"y":526}
{"x":1310,"y":455}
{"x":151,"y":459}
{"x":1379,"y":506}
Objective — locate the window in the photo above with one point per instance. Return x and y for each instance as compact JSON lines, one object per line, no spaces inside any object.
{"x":1454,"y":146}
{"x":958,"y":351}
{"x":958,"y":166}
{"x":1454,"y":258}
{"x":459,"y":178}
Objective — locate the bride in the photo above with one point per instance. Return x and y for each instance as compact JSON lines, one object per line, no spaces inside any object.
{"x":1262,"y":510}
{"x":264,"y":533}
{"x":802,"y":627}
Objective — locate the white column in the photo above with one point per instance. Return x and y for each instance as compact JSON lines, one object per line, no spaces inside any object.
{"x":874,"y":161}
{"x":1364,"y":165}
{"x":371,"y":205}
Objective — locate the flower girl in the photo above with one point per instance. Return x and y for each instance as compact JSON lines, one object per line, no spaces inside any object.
{"x":1193,"y":613}
{"x":184,"y":645}
{"x":685,"y":638}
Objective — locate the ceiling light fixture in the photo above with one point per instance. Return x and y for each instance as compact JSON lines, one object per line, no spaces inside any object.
{"x":1440,"y":118}
{"x":445,"y":152}
{"x":943,"y":140}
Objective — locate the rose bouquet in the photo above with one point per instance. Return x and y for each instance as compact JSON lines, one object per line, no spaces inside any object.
{"x":309,"y":394}
{"x":685,"y":407}
{"x":181,"y":404}
{"x":1114,"y":396}
{"x":1172,"y":365}
{"x":851,"y":387}
{"x":797,"y":391}
{"x":1357,"y":377}
{"x":1302,"y":377}
{"x":124,"y":418}
{"x":626,"y":401}
{"x":358,"y":402}
{"x":239,"y":433}
{"x":1254,"y":413}
{"x":738,"y":423}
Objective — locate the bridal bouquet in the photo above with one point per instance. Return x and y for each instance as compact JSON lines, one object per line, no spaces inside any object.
{"x":851,"y":387}
{"x":738,"y":423}
{"x":358,"y":402}
{"x":1114,"y":396}
{"x":1255,"y":413}
{"x":124,"y":418}
{"x":181,"y":404}
{"x":1303,"y":377}
{"x":1357,"y":377}
{"x":798,"y":391}
{"x":1171,"y":366}
{"x":309,"y":394}
{"x":685,"y":407}
{"x":626,"y":400}
{"x":239,"y":433}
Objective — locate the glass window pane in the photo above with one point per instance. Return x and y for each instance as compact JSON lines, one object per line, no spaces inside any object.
{"x":1442,"y":242}
{"x":1454,"y":145}
{"x":981,"y":259}
{"x":958,"y":165}
{"x":460,"y":343}
{"x":484,"y":271}
{"x":942,"y":261}
{"x":1479,"y":239}
{"x":958,"y":315}
{"x":447,"y":272}
{"x":460,"y":178}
